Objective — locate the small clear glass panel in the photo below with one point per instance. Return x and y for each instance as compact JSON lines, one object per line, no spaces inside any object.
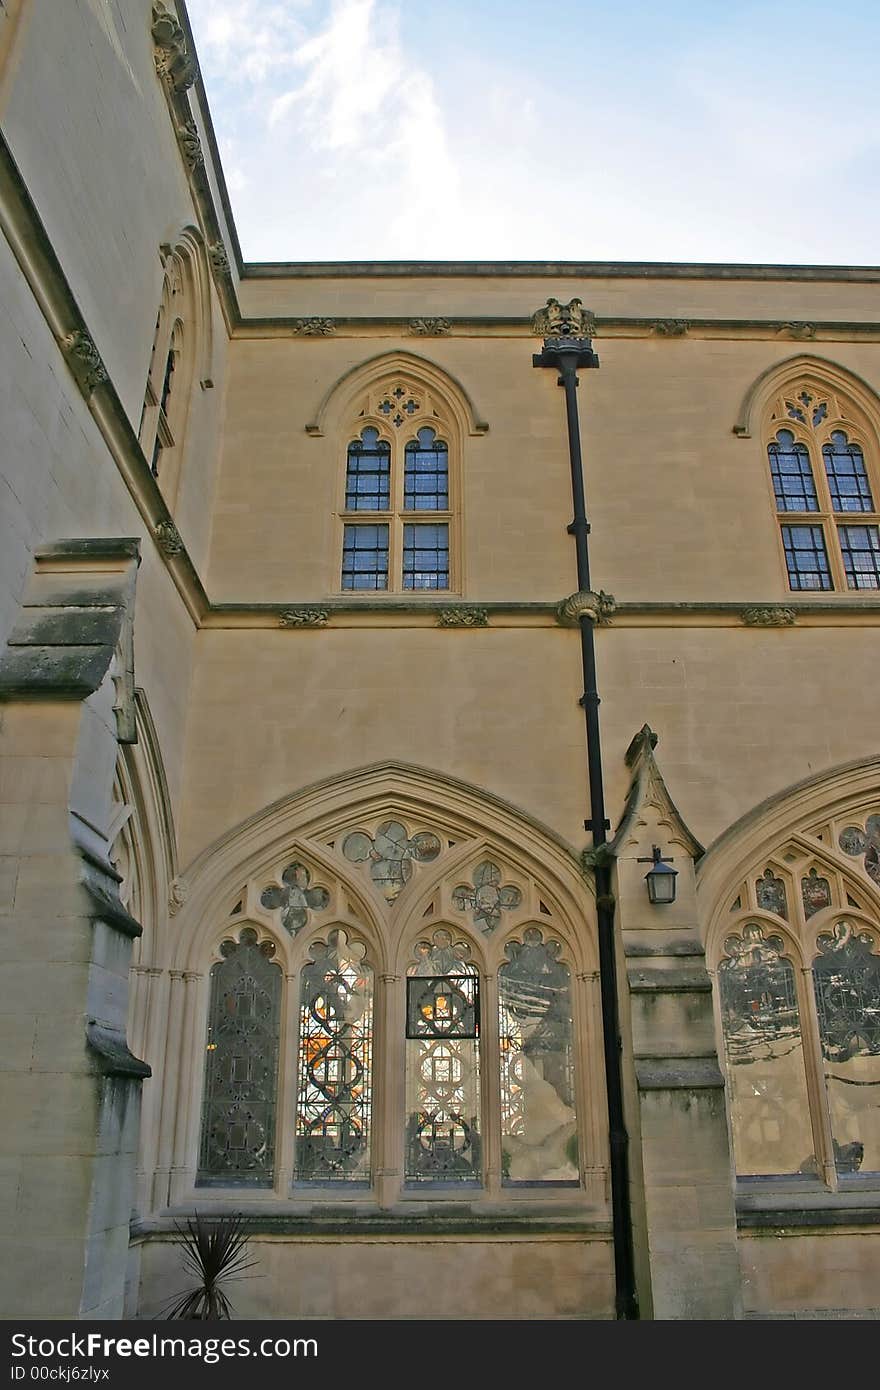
{"x":334,"y":1102}
{"x":847,"y":477}
{"x":443,"y":1064}
{"x":860,"y":550}
{"x":241,"y":1065}
{"x":365,"y":556}
{"x":793,"y":484}
{"x":391,"y":854}
{"x":426,"y":556}
{"x":538,"y":1120}
{"x":765,"y":1057}
{"x":426,"y":474}
{"x":846,"y":978}
{"x":368,"y":473}
{"x":806,"y":557}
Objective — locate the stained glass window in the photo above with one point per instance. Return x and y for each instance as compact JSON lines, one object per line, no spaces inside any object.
{"x":334,"y":1102}
{"x":443,"y":1064}
{"x":770,"y":894}
{"x":538,"y":1120}
{"x":765,"y":1056}
{"x":426,"y":474}
{"x":846,"y":978}
{"x":816,"y":893}
{"x":792,"y":475}
{"x":241,"y":1065}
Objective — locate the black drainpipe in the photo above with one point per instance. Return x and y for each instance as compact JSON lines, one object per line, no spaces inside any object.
{"x":566,"y":353}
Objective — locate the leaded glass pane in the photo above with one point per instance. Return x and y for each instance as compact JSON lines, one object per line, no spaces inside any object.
{"x":368,"y":473}
{"x":443,"y":1064}
{"x":426,"y":556}
{"x":847,"y":478}
{"x":334,"y":1101}
{"x":538,"y":1120}
{"x":806,"y":557}
{"x":770,"y":894}
{"x":793,"y":484}
{"x":241,"y":1065}
{"x":365,"y":557}
{"x":816,"y":893}
{"x":846,"y":978}
{"x":765,"y":1056}
{"x":860,"y":549}
{"x":426,"y":474}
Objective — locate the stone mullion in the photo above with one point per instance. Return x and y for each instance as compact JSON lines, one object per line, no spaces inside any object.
{"x":287,"y":1086}
{"x":187,"y":1128}
{"x":170,"y":1073}
{"x":820,"y":1115}
{"x":490,"y":1064}
{"x":388,"y":1092}
{"x":589,"y":1067}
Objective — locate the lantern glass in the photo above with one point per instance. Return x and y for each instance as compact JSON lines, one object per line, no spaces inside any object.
{"x":660,"y":879}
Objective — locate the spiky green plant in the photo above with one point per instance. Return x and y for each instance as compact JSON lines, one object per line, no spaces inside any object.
{"x":214,"y":1251}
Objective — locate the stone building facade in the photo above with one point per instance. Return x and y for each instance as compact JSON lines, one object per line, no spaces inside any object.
{"x":299,"y":902}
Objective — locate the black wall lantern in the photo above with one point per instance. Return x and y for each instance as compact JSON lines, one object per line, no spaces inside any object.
{"x":660,"y":878}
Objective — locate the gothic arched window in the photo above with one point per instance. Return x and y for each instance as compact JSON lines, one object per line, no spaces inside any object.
{"x":829,"y":506}
{"x":397,"y":512}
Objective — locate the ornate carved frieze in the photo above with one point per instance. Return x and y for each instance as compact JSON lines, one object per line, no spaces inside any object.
{"x":597,"y":607}
{"x":174,"y":64}
{"x":314,"y":327}
{"x":570,"y":320}
{"x":304,"y":617}
{"x":85,"y":361}
{"x":191,"y":145}
{"x":772,"y":616}
{"x":671,"y":328}
{"x":168,"y":537}
{"x":463,"y":616}
{"x":218,"y":257}
{"x":429,"y":328}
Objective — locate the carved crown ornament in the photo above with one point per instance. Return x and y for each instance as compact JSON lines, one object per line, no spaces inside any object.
{"x":598,"y":607}
{"x":85,"y":361}
{"x":570,"y":320}
{"x":174,"y":64}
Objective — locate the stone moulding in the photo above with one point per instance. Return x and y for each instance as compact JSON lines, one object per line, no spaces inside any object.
{"x":598,"y":607}
{"x":797,"y":330}
{"x":772,"y":616}
{"x":672,"y":328}
{"x":304,"y":617}
{"x":570,"y":320}
{"x":174,"y":64}
{"x":85,"y":361}
{"x":463,"y":616}
{"x":168,"y":538}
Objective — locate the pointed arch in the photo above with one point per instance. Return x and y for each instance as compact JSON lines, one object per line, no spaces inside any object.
{"x":803,"y":364}
{"x":337,"y":402}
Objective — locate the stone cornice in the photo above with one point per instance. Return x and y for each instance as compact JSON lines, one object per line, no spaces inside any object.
{"x":520,"y":326}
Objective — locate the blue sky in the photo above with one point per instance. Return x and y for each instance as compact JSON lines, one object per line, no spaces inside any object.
{"x":690,"y":130}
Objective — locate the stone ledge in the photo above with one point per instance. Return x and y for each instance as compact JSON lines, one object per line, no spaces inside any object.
{"x":679,"y":1074}
{"x":369,"y":1225}
{"x":676,"y":980}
